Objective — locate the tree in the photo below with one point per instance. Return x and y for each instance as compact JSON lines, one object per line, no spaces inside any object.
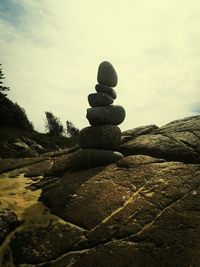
{"x":53,"y":125}
{"x":2,"y":87}
{"x":12,"y":115}
{"x":72,"y":131}
{"x":20,"y":119}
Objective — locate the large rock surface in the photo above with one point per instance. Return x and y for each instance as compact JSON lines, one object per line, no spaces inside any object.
{"x":142,"y":211}
{"x":176,"y":141}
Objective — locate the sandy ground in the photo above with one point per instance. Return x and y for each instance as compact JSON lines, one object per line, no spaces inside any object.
{"x":14,"y":194}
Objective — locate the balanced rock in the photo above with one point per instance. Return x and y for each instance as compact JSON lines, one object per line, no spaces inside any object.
{"x":101,"y":136}
{"x":106,"y":115}
{"x":100,"y":141}
{"x":107,"y":74}
{"x":100,"y":88}
{"x":90,"y":158}
{"x":99,"y":99}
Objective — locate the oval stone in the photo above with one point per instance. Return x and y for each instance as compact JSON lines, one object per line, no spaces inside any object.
{"x":106,"y":115}
{"x":100,"y":88}
{"x":90,"y":158}
{"x":107,"y":74}
{"x":99,"y":99}
{"x":101,"y":136}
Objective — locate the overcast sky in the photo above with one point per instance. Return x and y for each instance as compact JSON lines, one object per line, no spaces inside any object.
{"x":50,"y":51}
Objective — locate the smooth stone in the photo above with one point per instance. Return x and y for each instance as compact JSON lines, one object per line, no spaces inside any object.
{"x":107,"y":74}
{"x":102,"y":136}
{"x":99,"y":99}
{"x":106,"y":115}
{"x":90,"y":158}
{"x":100,"y":88}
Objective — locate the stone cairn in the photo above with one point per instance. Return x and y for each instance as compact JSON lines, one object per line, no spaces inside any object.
{"x":99,"y":141}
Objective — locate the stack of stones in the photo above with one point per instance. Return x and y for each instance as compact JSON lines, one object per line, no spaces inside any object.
{"x":100,"y":141}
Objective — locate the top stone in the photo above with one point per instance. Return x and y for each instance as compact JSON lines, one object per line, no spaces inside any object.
{"x":106,"y":74}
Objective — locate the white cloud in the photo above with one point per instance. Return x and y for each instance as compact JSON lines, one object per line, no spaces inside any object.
{"x":51,"y":58}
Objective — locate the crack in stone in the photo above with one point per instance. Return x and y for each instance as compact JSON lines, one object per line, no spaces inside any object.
{"x":147,"y":226}
{"x":172,"y":138}
{"x":146,"y":199}
{"x":75,"y":225}
{"x":123,"y":239}
{"x":183,"y":142}
{"x":130,"y":187}
{"x":46,"y":263}
{"x":190,"y":146}
{"x":75,"y":252}
{"x":194,"y":133}
{"x":131,"y":216}
{"x":138,"y":193}
{"x":161,"y":212}
{"x":129,"y":200}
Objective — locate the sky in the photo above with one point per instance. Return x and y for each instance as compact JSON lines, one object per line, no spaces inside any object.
{"x":50,"y":52}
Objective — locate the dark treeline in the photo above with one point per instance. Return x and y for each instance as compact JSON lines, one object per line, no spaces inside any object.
{"x":14,"y":116}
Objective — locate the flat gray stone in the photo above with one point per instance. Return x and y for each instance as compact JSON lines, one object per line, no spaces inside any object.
{"x":90,"y":158}
{"x":100,"y":88}
{"x":106,"y":115}
{"x":107,"y":74}
{"x":101,"y":136}
{"x":99,"y":99}
{"x":180,"y":146}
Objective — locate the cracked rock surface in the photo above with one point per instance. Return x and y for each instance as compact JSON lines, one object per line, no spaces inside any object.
{"x":176,"y":141}
{"x":142,"y":211}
